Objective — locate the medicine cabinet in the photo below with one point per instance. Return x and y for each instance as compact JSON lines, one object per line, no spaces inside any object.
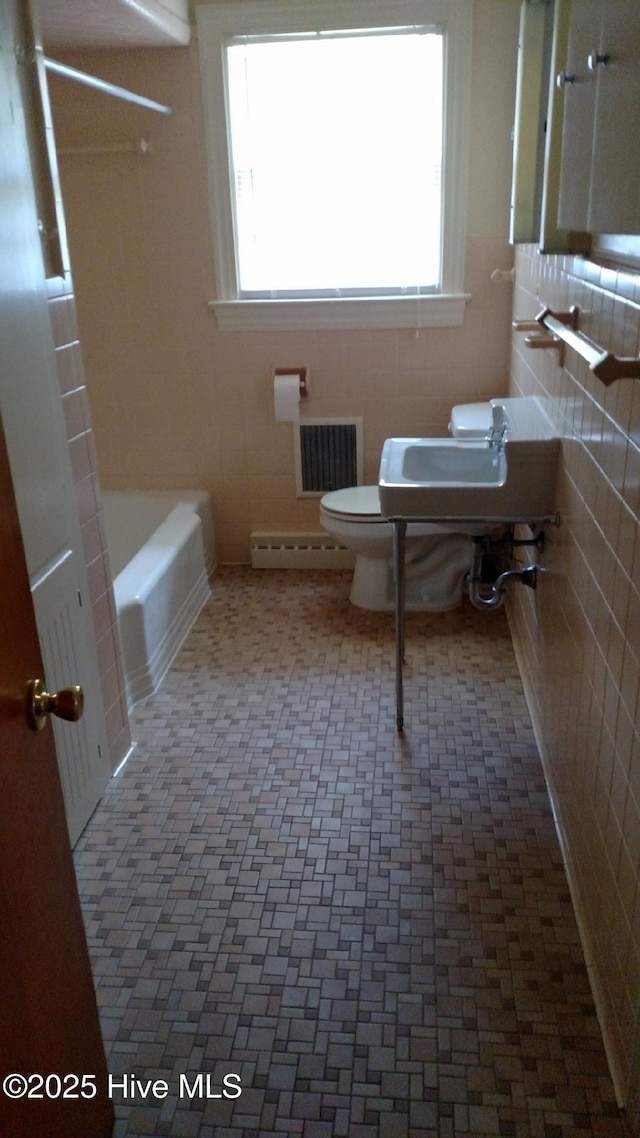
{"x":576,"y":181}
{"x":537,"y":132}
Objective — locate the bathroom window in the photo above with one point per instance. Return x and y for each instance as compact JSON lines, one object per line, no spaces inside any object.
{"x":337,"y":138}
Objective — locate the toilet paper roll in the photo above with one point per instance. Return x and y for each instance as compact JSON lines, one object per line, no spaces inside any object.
{"x":286,"y":398}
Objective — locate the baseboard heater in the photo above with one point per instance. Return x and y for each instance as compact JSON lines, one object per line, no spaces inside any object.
{"x":298,"y":551}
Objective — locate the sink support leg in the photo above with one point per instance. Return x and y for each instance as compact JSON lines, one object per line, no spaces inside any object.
{"x":399,"y":543}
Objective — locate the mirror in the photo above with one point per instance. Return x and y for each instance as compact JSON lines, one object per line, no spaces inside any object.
{"x":537,"y":135}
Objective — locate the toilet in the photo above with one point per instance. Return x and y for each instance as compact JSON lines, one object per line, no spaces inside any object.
{"x":438,"y":557}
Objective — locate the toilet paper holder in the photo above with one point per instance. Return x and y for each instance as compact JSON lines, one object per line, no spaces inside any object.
{"x":301,"y":372}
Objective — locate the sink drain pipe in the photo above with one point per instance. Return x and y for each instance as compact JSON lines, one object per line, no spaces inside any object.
{"x":498,"y":589}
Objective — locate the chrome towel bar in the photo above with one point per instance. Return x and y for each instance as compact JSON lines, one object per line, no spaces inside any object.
{"x":563,"y":327}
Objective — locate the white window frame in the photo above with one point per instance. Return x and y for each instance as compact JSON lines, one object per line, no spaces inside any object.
{"x":216,"y":23}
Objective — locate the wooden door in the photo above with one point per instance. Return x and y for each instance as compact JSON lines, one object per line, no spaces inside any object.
{"x":48,"y":1017}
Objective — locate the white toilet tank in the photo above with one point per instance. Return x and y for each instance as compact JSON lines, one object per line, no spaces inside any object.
{"x":471,"y":420}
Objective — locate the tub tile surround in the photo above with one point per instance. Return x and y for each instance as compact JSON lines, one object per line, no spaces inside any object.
{"x":375,"y":932}
{"x":578,"y":637}
{"x":80,"y":438}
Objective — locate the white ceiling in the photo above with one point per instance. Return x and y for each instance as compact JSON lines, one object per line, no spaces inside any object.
{"x":113,"y":23}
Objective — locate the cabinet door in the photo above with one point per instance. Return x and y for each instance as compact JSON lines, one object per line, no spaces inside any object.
{"x":615,"y":178}
{"x":579,"y":116}
{"x":600,"y":174}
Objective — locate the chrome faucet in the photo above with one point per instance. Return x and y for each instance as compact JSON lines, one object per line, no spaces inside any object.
{"x":497,"y":432}
{"x":498,"y":428}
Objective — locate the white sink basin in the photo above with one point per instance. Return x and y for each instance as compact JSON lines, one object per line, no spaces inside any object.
{"x":459,"y":480}
{"x":452,"y":461}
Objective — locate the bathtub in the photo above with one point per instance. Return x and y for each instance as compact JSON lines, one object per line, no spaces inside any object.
{"x":162,"y":550}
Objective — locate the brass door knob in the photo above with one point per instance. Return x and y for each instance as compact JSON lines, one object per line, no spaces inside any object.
{"x":68,"y":703}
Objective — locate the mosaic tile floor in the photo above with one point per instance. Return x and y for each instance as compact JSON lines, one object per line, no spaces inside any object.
{"x":373,"y":932}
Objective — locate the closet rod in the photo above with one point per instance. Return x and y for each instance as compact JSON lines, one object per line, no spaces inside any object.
{"x":102,"y":85}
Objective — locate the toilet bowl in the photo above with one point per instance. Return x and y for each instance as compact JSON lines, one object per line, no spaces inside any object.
{"x":438,"y":557}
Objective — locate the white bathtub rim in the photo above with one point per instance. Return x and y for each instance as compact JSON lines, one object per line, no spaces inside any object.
{"x":139,"y":577}
{"x":194,"y":501}
{"x":162,"y":589}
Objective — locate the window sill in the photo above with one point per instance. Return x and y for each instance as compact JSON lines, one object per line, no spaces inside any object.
{"x":443,"y":311}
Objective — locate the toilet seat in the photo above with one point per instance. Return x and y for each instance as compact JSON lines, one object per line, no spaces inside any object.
{"x":356,"y":510}
{"x":354,"y":503}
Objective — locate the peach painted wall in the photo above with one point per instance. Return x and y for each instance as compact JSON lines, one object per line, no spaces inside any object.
{"x":176,"y":403}
{"x":578,"y":636}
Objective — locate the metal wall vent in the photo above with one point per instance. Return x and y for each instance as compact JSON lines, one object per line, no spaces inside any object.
{"x":328,"y":455}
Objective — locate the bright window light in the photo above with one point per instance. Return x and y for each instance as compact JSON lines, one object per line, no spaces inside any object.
{"x":336,"y":147}
{"x":337,"y":136}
